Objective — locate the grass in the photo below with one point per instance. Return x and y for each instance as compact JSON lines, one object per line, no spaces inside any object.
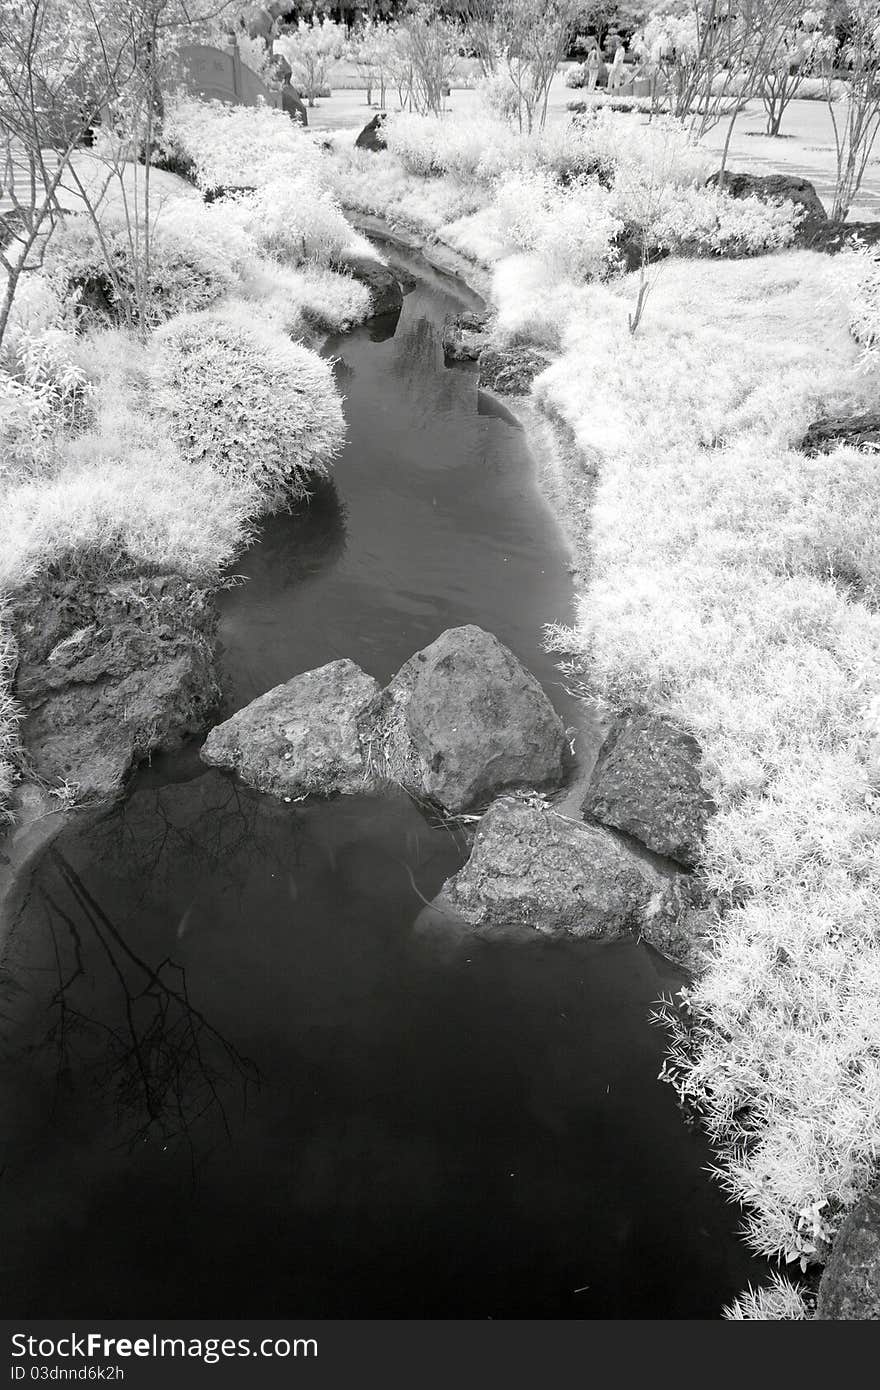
{"x":732,"y":584}
{"x":715,"y":595}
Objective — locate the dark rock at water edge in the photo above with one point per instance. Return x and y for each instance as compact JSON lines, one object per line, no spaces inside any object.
{"x":647,"y":783}
{"x":850,"y":1287}
{"x":511,"y":371}
{"x":371,"y":137}
{"x":108,"y":672}
{"x":464,"y":336}
{"x":531,"y":867}
{"x":462,"y":720}
{"x":385,"y":291}
{"x":860,"y":431}
{"x":779,"y":187}
{"x":301,"y":737}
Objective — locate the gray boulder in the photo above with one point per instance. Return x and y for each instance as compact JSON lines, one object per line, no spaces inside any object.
{"x":647,"y":783}
{"x":531,"y":867}
{"x":781,"y":188}
{"x":461,"y":721}
{"x":850,"y":1287}
{"x":511,"y":371}
{"x":385,"y":291}
{"x":301,"y":737}
{"x":108,"y":672}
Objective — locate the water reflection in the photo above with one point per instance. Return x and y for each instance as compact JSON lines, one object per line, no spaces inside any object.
{"x":117,"y":1026}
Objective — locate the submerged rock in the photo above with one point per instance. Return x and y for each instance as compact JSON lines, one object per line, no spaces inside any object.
{"x":464,"y":336}
{"x":108,"y":672}
{"x":647,"y":783}
{"x":462,"y":720}
{"x":779,"y":187}
{"x":531,"y":867}
{"x":371,"y":137}
{"x":859,"y":431}
{"x":511,"y":371}
{"x":850,"y":1287}
{"x":300,"y":737}
{"x":385,"y":291}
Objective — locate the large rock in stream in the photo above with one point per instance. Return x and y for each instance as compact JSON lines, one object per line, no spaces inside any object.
{"x":462,"y":720}
{"x":850,"y":1287}
{"x":531,"y":867}
{"x":647,"y":783}
{"x":108,"y":672}
{"x":300,"y":737}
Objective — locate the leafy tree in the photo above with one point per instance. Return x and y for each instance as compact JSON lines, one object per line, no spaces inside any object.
{"x":534,"y":36}
{"x":856,"y":118}
{"x":67,"y":69}
{"x":800,"y":47}
{"x":310,"y":49}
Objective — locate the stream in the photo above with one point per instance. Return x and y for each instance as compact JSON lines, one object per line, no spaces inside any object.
{"x":235,"y":1079}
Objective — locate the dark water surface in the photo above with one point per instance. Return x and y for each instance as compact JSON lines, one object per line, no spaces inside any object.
{"x":237,"y":1079}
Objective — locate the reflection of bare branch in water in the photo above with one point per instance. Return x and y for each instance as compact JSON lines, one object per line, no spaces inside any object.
{"x":165,"y":1065}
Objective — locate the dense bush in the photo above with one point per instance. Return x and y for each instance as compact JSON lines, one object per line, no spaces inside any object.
{"x":195,"y":254}
{"x":572,"y":228}
{"x":303,"y":299}
{"x":255,"y":406}
{"x":44,"y":393}
{"x":292,"y":219}
{"x":140,"y":509}
{"x":235,"y":146}
{"x":713,"y":222}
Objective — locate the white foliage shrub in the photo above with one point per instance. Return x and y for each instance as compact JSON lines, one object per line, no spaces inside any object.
{"x":294,"y":220}
{"x":571,"y":228}
{"x":309,"y":297}
{"x":118,"y":493}
{"x":857,"y":280}
{"x":28,"y":426}
{"x":242,"y":397}
{"x":718,"y":223}
{"x":475,"y":151}
{"x":43,"y":390}
{"x":196,"y":253}
{"x":141,"y":507}
{"x":237,"y":146}
{"x":533,"y":302}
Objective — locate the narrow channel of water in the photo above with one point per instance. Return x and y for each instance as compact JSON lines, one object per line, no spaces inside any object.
{"x":235,"y":1081}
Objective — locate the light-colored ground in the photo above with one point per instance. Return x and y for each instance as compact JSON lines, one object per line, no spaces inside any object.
{"x":806,"y":146}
